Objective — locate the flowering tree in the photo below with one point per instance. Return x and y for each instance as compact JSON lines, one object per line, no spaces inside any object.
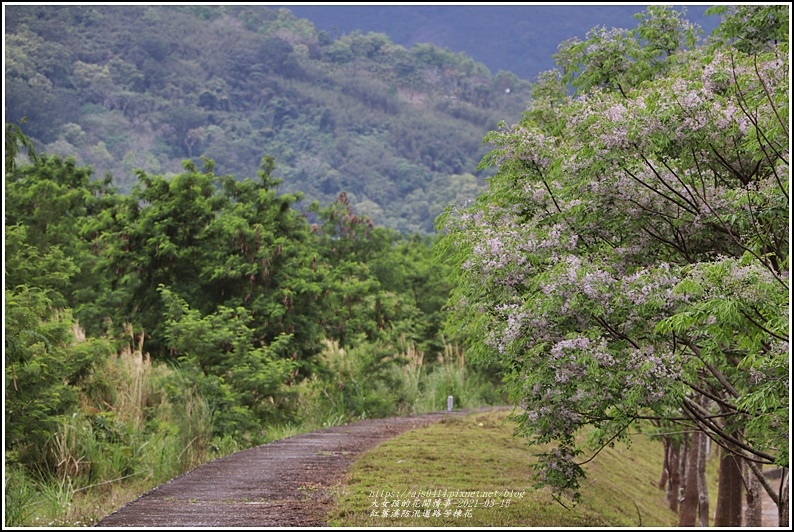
{"x":630,"y":258}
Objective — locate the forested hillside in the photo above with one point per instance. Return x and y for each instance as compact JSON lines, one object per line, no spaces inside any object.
{"x":143,"y":87}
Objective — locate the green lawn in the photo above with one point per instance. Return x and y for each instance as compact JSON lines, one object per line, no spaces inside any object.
{"x":471,"y":471}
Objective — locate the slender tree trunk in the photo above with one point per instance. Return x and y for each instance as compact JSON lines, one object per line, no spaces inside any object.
{"x":687,"y":515}
{"x":752,"y":514}
{"x":782,"y":508}
{"x":683,"y":453}
{"x":674,"y":476}
{"x":729,"y":496}
{"x":703,"y":489}
{"x":667,"y":443}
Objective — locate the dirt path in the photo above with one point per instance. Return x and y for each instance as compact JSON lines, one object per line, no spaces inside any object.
{"x":280,"y":484}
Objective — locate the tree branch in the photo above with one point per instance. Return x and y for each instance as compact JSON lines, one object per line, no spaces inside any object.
{"x":669,"y":243}
{"x":742,"y":104}
{"x":764,"y":482}
{"x":768,"y":96}
{"x":607,"y":443}
{"x":665,"y":196}
{"x":767,"y":331}
{"x":614,"y":332}
{"x":691,"y":196}
{"x":714,"y":371}
{"x":714,"y":397}
{"x":736,"y":240}
{"x":668,"y":187}
{"x":699,"y":417}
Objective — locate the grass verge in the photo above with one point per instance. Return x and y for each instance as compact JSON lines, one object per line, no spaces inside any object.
{"x":471,"y":471}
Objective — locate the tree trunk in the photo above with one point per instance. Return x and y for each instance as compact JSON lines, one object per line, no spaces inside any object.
{"x":782,"y":508}
{"x":752,"y":514}
{"x":729,"y":496}
{"x":687,"y":515}
{"x":674,"y":476}
{"x":668,"y":443}
{"x":703,"y":490}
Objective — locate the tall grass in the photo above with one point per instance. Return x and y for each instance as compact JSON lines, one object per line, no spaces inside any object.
{"x":351,"y":387}
{"x":141,"y":423}
{"x":452,"y":376}
{"x":412,"y":375}
{"x":365,"y":381}
{"x":21,"y":497}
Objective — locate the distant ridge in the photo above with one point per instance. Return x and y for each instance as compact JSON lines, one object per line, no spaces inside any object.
{"x":517,"y":38}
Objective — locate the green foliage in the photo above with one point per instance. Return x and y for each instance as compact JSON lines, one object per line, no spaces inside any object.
{"x":14,"y":141}
{"x":242,"y":383}
{"x":751,"y":29}
{"x":35,"y":70}
{"x":354,"y":383}
{"x":450,"y":375}
{"x":368,"y":380}
{"x":379,"y":283}
{"x":47,"y":207}
{"x":227,"y":279}
{"x":138,"y":424}
{"x":50,"y":272}
{"x":224,"y":277}
{"x":619,"y":58}
{"x":213,"y":241}
{"x":664,"y":31}
{"x":735,"y":313}
{"x":44,"y":368}
{"x":20,"y":497}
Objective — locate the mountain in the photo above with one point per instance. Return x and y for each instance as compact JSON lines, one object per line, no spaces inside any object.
{"x":398,"y":128}
{"x":144,"y":87}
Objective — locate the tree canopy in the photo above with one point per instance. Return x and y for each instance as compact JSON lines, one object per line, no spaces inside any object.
{"x":224,"y":278}
{"x":629,"y":260}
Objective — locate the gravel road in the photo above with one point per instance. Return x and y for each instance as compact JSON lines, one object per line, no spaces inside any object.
{"x":279,"y":484}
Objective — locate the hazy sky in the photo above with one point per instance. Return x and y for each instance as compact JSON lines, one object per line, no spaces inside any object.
{"x":505,"y":37}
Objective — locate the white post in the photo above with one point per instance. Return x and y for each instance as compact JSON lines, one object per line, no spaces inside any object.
{"x":450,"y":402}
